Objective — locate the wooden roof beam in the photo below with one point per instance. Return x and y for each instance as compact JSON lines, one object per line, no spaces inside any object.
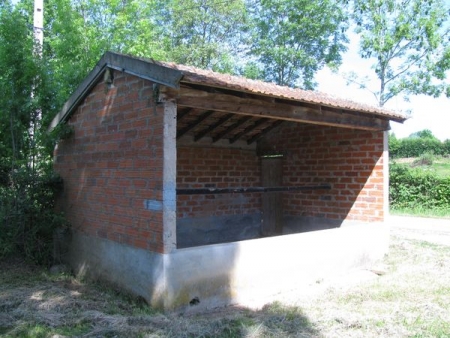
{"x":235,"y":125}
{"x":248,"y":129}
{"x":264,"y":132}
{"x":282,"y":111}
{"x":192,"y":125}
{"x":209,"y":129}
{"x":180,"y":116}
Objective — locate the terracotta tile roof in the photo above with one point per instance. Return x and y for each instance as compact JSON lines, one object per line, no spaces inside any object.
{"x":226,"y":81}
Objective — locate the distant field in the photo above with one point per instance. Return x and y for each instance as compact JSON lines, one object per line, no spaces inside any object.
{"x":440,"y":165}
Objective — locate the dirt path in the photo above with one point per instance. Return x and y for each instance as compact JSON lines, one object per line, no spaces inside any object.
{"x":432,"y":230}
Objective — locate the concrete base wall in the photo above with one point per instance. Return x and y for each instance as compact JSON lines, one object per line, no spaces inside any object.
{"x":239,"y":272}
{"x":138,"y":271}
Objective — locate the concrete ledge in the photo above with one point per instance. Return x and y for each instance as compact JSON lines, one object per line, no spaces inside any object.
{"x":241,"y":272}
{"x":238,"y":272}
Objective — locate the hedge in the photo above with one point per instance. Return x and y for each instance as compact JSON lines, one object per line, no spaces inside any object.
{"x":415,"y":147}
{"x":413,"y":188}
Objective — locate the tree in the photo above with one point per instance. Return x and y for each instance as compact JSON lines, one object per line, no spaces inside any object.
{"x":293,"y":39}
{"x":19,"y":71}
{"x":423,"y":134}
{"x":203,"y":33}
{"x":79,"y":32}
{"x":408,"y":40}
{"x":27,"y":216}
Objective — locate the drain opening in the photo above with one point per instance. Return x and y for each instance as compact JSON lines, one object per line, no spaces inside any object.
{"x":194,"y":301}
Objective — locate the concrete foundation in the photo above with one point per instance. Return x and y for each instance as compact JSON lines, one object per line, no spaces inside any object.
{"x":239,"y":272}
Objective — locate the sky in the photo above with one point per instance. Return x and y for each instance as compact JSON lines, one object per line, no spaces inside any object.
{"x":426,"y":112}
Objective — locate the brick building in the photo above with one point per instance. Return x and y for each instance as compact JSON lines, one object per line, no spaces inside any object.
{"x":185,"y":184}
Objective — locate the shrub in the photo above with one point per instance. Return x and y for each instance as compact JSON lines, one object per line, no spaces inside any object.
{"x":446,"y":147}
{"x":415,"y":147}
{"x":27,"y":216}
{"x":412,"y":188}
{"x":424,"y":159}
{"x":417,"y":144}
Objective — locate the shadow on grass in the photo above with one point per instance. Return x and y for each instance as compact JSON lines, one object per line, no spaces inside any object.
{"x":273,"y":320}
{"x":35,"y":304}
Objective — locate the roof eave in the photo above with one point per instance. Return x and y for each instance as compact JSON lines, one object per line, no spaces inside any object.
{"x":165,"y":74}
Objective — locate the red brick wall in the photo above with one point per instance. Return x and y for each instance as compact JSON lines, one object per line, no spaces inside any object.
{"x":113,"y":164}
{"x":350,"y":160}
{"x":220,"y":168}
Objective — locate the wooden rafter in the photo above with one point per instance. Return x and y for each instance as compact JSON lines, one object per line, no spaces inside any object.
{"x":235,"y":125}
{"x":247,"y":130}
{"x":265,"y":131}
{"x":192,"y":125}
{"x":183,"y":114}
{"x":209,"y":129}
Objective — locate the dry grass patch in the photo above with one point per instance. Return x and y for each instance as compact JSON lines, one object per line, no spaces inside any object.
{"x":411,"y":300}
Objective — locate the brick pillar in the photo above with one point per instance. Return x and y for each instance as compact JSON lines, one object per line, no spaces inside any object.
{"x":169,"y":176}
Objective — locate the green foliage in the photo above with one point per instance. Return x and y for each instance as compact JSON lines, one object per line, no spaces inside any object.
{"x":203,"y":33}
{"x":293,"y":39}
{"x":418,"y":144}
{"x":289,"y":40}
{"x":415,"y":188}
{"x":408,"y":40}
{"x":415,"y":147}
{"x":27,"y":184}
{"x":446,"y":147}
{"x":423,"y":134}
{"x":27,"y":217}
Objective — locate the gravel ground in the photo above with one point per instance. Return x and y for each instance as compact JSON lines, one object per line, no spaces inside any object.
{"x":434,"y":230}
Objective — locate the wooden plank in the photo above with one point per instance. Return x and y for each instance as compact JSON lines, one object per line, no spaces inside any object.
{"x":247,"y":106}
{"x":272,"y":203}
{"x":240,"y":190}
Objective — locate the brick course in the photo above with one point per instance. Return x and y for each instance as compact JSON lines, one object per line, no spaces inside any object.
{"x":217,"y":168}
{"x":348,"y":159}
{"x":113,"y":164}
{"x":351,"y":161}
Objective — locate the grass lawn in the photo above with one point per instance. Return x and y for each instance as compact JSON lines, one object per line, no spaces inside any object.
{"x":421,"y":212}
{"x":440,"y":165}
{"x":412,"y":299}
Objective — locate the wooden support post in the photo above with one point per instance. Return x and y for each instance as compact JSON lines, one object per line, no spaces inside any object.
{"x":272,"y":204}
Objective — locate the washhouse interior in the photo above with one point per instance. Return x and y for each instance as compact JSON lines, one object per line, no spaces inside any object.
{"x":244,"y":177}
